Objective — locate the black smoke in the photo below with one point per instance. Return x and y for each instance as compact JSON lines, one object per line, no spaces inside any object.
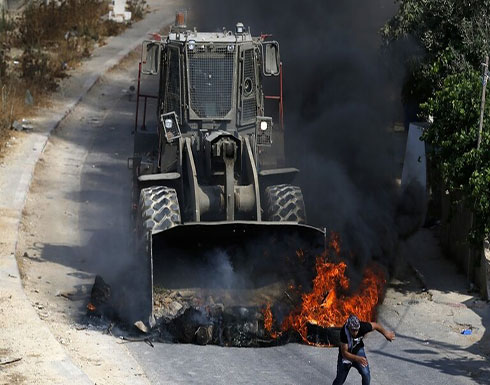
{"x":341,"y":101}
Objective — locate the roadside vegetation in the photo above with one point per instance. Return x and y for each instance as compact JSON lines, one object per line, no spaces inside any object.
{"x":445,"y":81}
{"x":39,"y":45}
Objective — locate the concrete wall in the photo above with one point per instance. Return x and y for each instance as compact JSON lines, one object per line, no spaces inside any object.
{"x":455,"y":227}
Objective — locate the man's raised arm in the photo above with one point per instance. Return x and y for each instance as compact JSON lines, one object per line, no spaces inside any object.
{"x":389,"y":335}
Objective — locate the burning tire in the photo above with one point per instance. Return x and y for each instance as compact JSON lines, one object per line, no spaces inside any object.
{"x":159,"y":208}
{"x":284,"y":203}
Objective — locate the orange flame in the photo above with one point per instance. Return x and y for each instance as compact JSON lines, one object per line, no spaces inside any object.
{"x":329,"y":304}
{"x":91,"y":307}
{"x":269,"y":321}
{"x":268,"y":317}
{"x":335,"y":242}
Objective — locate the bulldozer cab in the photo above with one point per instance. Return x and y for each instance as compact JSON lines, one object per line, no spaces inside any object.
{"x":212,"y":81}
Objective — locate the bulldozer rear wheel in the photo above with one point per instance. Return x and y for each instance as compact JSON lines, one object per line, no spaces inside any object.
{"x":284,"y":203}
{"x":159,"y":208}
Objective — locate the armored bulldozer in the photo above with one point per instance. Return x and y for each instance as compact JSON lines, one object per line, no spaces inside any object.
{"x":211,"y":173}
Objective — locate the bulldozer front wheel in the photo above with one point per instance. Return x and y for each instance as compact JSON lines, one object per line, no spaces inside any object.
{"x":284,"y":203}
{"x":159,"y":208}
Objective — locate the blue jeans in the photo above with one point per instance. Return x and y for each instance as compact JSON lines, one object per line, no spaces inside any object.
{"x":343,"y":370}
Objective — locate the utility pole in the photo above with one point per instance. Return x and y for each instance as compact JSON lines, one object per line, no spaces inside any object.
{"x":482,"y":112}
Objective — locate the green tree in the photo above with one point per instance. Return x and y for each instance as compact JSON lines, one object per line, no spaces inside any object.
{"x":445,"y":79}
{"x":452,"y":34}
{"x":455,"y":109}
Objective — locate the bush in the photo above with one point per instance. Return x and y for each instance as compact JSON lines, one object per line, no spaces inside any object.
{"x":453,"y":136}
{"x":42,"y":25}
{"x":453,"y":35}
{"x":5,"y":110}
{"x":6,"y":23}
{"x":137,"y":9}
{"x":52,"y":37}
{"x":37,"y":70}
{"x":3,"y":65}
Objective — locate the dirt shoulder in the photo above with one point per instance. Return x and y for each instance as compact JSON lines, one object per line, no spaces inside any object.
{"x":56,"y":278}
{"x":38,"y":350}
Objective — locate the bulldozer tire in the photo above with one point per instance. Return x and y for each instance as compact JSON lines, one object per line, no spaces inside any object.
{"x":284,"y":203}
{"x":159,"y":208}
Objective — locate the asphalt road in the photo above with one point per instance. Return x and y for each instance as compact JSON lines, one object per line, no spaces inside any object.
{"x":82,"y":227}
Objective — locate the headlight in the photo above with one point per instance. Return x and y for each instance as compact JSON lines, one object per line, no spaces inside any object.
{"x":168,"y":124}
{"x":230,"y":48}
{"x":263,"y":131}
{"x":191,"y":45}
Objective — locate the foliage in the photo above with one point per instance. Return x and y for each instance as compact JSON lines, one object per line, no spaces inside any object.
{"x":446,"y":80}
{"x":40,"y":44}
{"x":441,"y":24}
{"x":6,"y":23}
{"x":456,"y":112}
{"x":452,"y":34}
{"x":137,"y":8}
{"x":3,"y":65}
{"x":44,"y":24}
{"x":38,"y":69}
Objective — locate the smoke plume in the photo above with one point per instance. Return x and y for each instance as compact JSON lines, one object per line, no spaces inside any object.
{"x":341,"y":100}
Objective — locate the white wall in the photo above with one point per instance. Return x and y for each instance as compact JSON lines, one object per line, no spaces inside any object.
{"x":119,"y":7}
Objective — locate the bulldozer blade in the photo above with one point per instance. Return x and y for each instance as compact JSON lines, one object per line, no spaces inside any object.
{"x":222,"y":234}
{"x":185,"y":255}
{"x":260,"y":252}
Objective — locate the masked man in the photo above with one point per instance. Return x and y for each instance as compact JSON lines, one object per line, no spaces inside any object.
{"x":351,"y":351}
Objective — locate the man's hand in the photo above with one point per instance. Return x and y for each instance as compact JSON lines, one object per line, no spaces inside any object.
{"x":390,"y":336}
{"x":362,"y":360}
{"x":352,"y":357}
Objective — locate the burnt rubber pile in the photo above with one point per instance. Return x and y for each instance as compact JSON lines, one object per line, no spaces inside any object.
{"x":211,"y":316}
{"x":195,"y":316}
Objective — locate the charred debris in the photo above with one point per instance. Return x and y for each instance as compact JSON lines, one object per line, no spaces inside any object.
{"x":183,"y":319}
{"x":212,"y":316}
